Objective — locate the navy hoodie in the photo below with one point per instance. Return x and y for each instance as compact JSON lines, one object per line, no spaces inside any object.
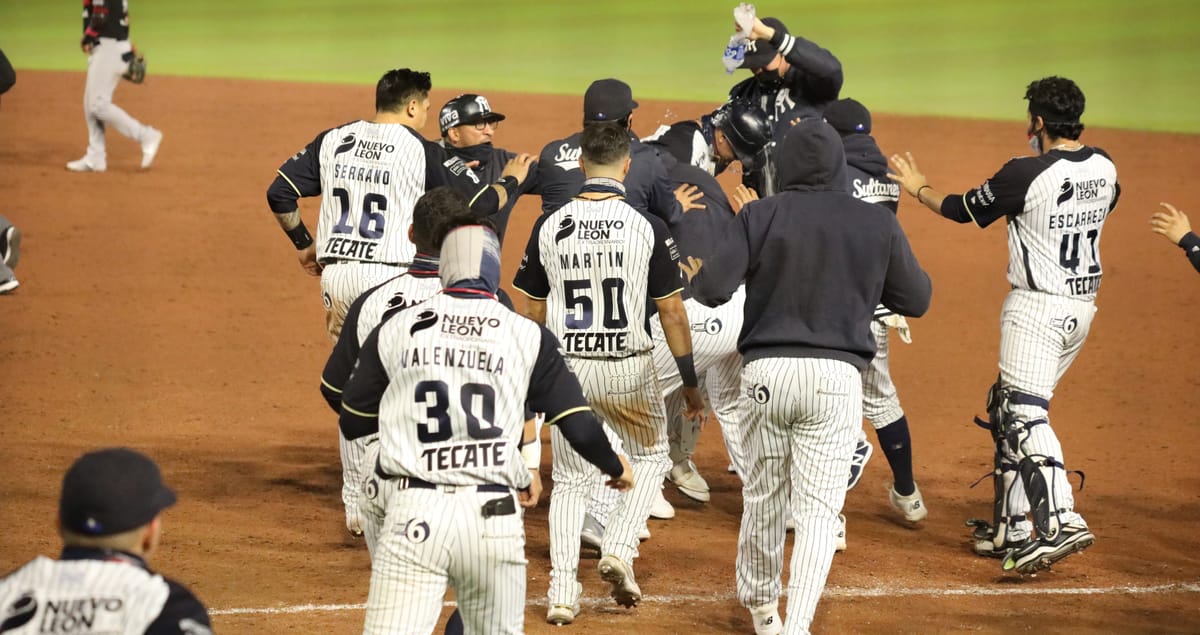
{"x":816,"y":260}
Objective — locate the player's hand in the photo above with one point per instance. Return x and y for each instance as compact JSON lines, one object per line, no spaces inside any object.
{"x":743,"y":195}
{"x":518,"y":166}
{"x":694,"y":408}
{"x":687,"y":195}
{"x":528,"y":498}
{"x":906,"y":173}
{"x":354,"y":520}
{"x":624,"y":482}
{"x":1170,"y":223}
{"x":690,"y":267}
{"x":308,"y":260}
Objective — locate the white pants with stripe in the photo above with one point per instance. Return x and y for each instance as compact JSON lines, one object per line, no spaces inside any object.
{"x":881,"y":404}
{"x":105,"y":67}
{"x":801,"y":417}
{"x":432,"y":539}
{"x":341,"y":284}
{"x":625,"y":395}
{"x":1040,"y":336}
{"x":714,"y":351}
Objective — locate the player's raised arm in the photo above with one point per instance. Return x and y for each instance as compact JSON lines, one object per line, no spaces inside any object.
{"x":714,"y":280}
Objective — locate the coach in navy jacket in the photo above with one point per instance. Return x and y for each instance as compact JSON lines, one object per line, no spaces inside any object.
{"x":816,"y":261}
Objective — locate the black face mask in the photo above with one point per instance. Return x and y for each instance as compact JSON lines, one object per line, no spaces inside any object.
{"x":480,"y":153}
{"x":769,"y":80}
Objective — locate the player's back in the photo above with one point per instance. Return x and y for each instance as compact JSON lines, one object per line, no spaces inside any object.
{"x":1054,"y":245}
{"x":405,"y":290}
{"x":597,"y":256}
{"x":81,"y":596}
{"x":371,"y":175}
{"x":454,"y":409}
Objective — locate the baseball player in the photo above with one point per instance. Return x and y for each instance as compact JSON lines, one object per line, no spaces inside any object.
{"x":10,"y":236}
{"x":694,"y":152}
{"x":437,"y":212}
{"x":468,"y":125}
{"x":369,"y":174}
{"x":1172,"y":224}
{"x":1055,"y":204}
{"x":106,"y":43}
{"x":647,"y":186}
{"x":805,"y":342}
{"x":109,"y":517}
{"x":588,"y":270}
{"x":866,"y":168}
{"x":793,"y":79}
{"x":445,"y":385}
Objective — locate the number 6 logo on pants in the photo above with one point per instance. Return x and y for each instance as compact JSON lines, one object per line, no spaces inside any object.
{"x":417,"y":531}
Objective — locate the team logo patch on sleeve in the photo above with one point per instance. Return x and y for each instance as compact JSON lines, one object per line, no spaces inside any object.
{"x":670,"y":243}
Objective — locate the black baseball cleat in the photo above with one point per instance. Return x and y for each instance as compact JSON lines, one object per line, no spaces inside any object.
{"x":1039,"y":555}
{"x":984,"y":540}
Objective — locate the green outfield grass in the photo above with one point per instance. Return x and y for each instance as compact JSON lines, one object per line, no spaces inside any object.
{"x":958,"y":58}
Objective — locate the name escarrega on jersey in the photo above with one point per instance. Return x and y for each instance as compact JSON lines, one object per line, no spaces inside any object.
{"x":1056,"y":205}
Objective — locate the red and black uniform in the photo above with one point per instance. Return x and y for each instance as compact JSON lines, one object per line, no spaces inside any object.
{"x":105,"y":18}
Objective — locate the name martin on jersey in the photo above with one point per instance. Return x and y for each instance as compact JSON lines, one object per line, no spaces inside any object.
{"x":589,"y":260}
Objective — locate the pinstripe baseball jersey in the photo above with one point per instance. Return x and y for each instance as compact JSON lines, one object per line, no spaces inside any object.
{"x":596,"y":262}
{"x":1056,"y":205}
{"x":371,"y":175}
{"x":97,"y":591}
{"x":446,"y":382}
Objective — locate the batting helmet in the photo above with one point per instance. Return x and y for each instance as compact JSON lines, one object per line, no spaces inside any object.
{"x":747,"y":129}
{"x":466,"y":109}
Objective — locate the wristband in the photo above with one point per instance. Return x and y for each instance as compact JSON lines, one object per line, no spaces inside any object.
{"x":531,"y":453}
{"x":300,"y":236}
{"x":510,"y":185}
{"x":687,"y":370}
{"x":922,"y":188}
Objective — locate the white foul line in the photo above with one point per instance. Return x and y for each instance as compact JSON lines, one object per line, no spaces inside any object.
{"x":830,"y":592}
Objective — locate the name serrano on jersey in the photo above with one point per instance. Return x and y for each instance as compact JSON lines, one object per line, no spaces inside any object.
{"x":589,"y":260}
{"x":448,"y":357}
{"x":362,"y":174}
{"x":463,"y":456}
{"x":81,"y":615}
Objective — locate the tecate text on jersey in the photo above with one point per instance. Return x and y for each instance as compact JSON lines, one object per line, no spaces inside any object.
{"x":465,"y":456}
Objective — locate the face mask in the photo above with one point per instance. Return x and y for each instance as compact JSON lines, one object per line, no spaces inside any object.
{"x":769,"y":80}
{"x":1035,"y":142}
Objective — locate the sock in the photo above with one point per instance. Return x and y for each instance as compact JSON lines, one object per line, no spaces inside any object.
{"x":897,"y":447}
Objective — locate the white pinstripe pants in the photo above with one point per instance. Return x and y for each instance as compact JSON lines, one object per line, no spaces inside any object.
{"x":801,"y":417}
{"x":881,"y":404}
{"x":625,"y":394}
{"x":432,"y":539}
{"x":1040,"y":336}
{"x":341,"y":284}
{"x":718,"y":362}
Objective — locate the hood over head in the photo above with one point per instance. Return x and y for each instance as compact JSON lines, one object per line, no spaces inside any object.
{"x":811,"y":158}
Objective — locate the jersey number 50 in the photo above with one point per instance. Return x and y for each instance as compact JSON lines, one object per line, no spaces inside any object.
{"x":478,"y":402}
{"x":370,"y":225}
{"x":579,"y":303}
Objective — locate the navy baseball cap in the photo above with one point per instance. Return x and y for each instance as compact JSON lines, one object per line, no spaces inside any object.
{"x":110,"y":491}
{"x":759,"y":53}
{"x":848,"y":116}
{"x":608,"y":100}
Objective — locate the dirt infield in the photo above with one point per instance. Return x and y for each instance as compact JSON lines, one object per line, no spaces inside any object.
{"x":165,"y":310}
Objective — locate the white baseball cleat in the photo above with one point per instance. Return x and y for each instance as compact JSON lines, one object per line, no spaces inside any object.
{"x":8,"y":286}
{"x":561,"y":614}
{"x":689,"y":481}
{"x":625,"y":589}
{"x":10,"y":246}
{"x":592,"y":534}
{"x":644,"y":534}
{"x":150,"y":147}
{"x":766,"y":619}
{"x":911,"y":506}
{"x":661,"y":508}
{"x":83,"y":165}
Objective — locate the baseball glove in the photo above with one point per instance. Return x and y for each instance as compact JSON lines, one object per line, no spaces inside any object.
{"x":136,"y":72}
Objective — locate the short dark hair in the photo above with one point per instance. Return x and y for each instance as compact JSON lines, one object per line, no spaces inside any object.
{"x":1059,"y":102}
{"x":398,"y":87}
{"x":604,"y":144}
{"x":438,"y":212}
{"x":623,"y":122}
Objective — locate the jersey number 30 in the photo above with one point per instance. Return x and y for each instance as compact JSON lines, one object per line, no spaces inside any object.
{"x":478,"y":402}
{"x":370,"y":224}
